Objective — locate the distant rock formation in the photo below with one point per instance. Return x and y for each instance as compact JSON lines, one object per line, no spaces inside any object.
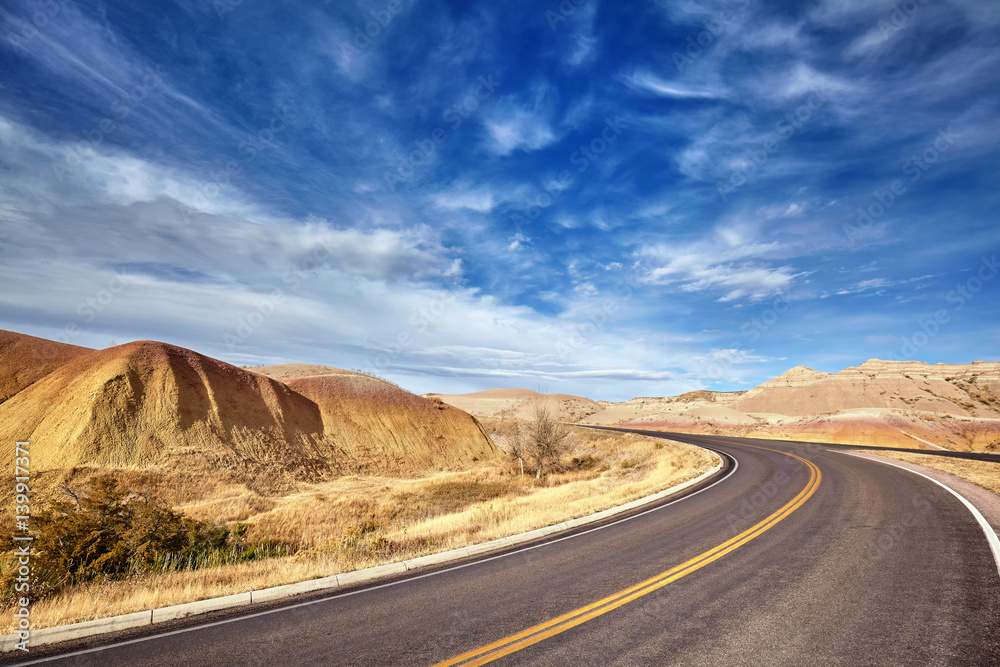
{"x":882,"y":403}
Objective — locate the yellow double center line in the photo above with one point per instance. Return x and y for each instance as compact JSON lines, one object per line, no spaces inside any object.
{"x":543,"y":631}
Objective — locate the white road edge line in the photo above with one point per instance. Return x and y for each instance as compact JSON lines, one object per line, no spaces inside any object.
{"x":991,"y":535}
{"x":285,"y":608}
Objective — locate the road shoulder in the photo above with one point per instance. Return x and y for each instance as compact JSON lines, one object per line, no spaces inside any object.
{"x":985,"y":501}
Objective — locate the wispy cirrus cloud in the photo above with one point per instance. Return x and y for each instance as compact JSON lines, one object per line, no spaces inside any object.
{"x":734,"y":262}
{"x":649,"y":83}
{"x":528,"y":239}
{"x":516,"y":124}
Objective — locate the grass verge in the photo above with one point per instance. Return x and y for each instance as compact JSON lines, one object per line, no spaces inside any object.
{"x":357,"y":522}
{"x":984,"y":473}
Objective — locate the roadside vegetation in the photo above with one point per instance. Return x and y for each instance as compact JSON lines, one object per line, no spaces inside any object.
{"x":109,"y":534}
{"x":114,"y":542}
{"x":984,"y":473}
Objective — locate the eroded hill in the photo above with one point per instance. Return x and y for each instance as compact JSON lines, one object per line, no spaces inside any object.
{"x":519,"y":403}
{"x":148,"y":402}
{"x":881,"y":403}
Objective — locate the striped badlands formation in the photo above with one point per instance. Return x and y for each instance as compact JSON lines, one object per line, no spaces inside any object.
{"x":879,"y":384}
{"x":880,"y":403}
{"x":141,"y":403}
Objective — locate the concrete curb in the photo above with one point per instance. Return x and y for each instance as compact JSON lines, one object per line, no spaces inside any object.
{"x":200,"y":607}
{"x":63,"y":632}
{"x":115,"y":623}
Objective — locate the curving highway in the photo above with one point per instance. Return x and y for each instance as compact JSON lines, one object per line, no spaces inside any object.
{"x":796,"y":555}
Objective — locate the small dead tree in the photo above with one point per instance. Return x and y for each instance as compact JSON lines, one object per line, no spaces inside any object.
{"x":508,"y":434}
{"x":548,"y":436}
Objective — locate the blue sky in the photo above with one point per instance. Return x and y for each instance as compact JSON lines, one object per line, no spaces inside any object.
{"x":607,"y":199}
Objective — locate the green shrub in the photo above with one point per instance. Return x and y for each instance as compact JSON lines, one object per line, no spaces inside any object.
{"x":109,"y":534}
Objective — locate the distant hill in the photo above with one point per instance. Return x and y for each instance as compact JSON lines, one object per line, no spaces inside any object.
{"x":881,"y":403}
{"x":519,"y":403}
{"x":287,"y":371}
{"x":879,"y":384}
{"x":137,"y":403}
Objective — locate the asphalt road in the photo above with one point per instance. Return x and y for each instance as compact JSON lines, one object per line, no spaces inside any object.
{"x":842,"y":562}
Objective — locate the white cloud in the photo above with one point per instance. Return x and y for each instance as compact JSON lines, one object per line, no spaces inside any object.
{"x":880,"y":285}
{"x":646,"y":82}
{"x":584,"y":42}
{"x":849,"y":12}
{"x":87,"y":56}
{"x":480,"y":201}
{"x":584,"y":51}
{"x":322,"y":285}
{"x":517,"y":242}
{"x":713,"y":146}
{"x":513,"y":125}
{"x":519,"y":129}
{"x":804,"y":80}
{"x":734,"y":263}
{"x":152,"y":212}
{"x":551,"y":375}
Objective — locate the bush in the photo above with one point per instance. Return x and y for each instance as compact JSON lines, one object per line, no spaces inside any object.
{"x":548,"y":437}
{"x":109,"y":534}
{"x":586,"y":462}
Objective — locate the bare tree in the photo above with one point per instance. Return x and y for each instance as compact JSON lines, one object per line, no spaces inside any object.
{"x":508,"y":434}
{"x":548,"y":436}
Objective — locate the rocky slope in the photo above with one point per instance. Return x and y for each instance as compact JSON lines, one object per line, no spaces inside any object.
{"x":26,"y":359}
{"x":377,"y":423}
{"x":143,"y":402}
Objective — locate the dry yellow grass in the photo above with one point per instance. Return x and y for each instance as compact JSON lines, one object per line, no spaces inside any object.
{"x":357,"y":522}
{"x":984,"y":473}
